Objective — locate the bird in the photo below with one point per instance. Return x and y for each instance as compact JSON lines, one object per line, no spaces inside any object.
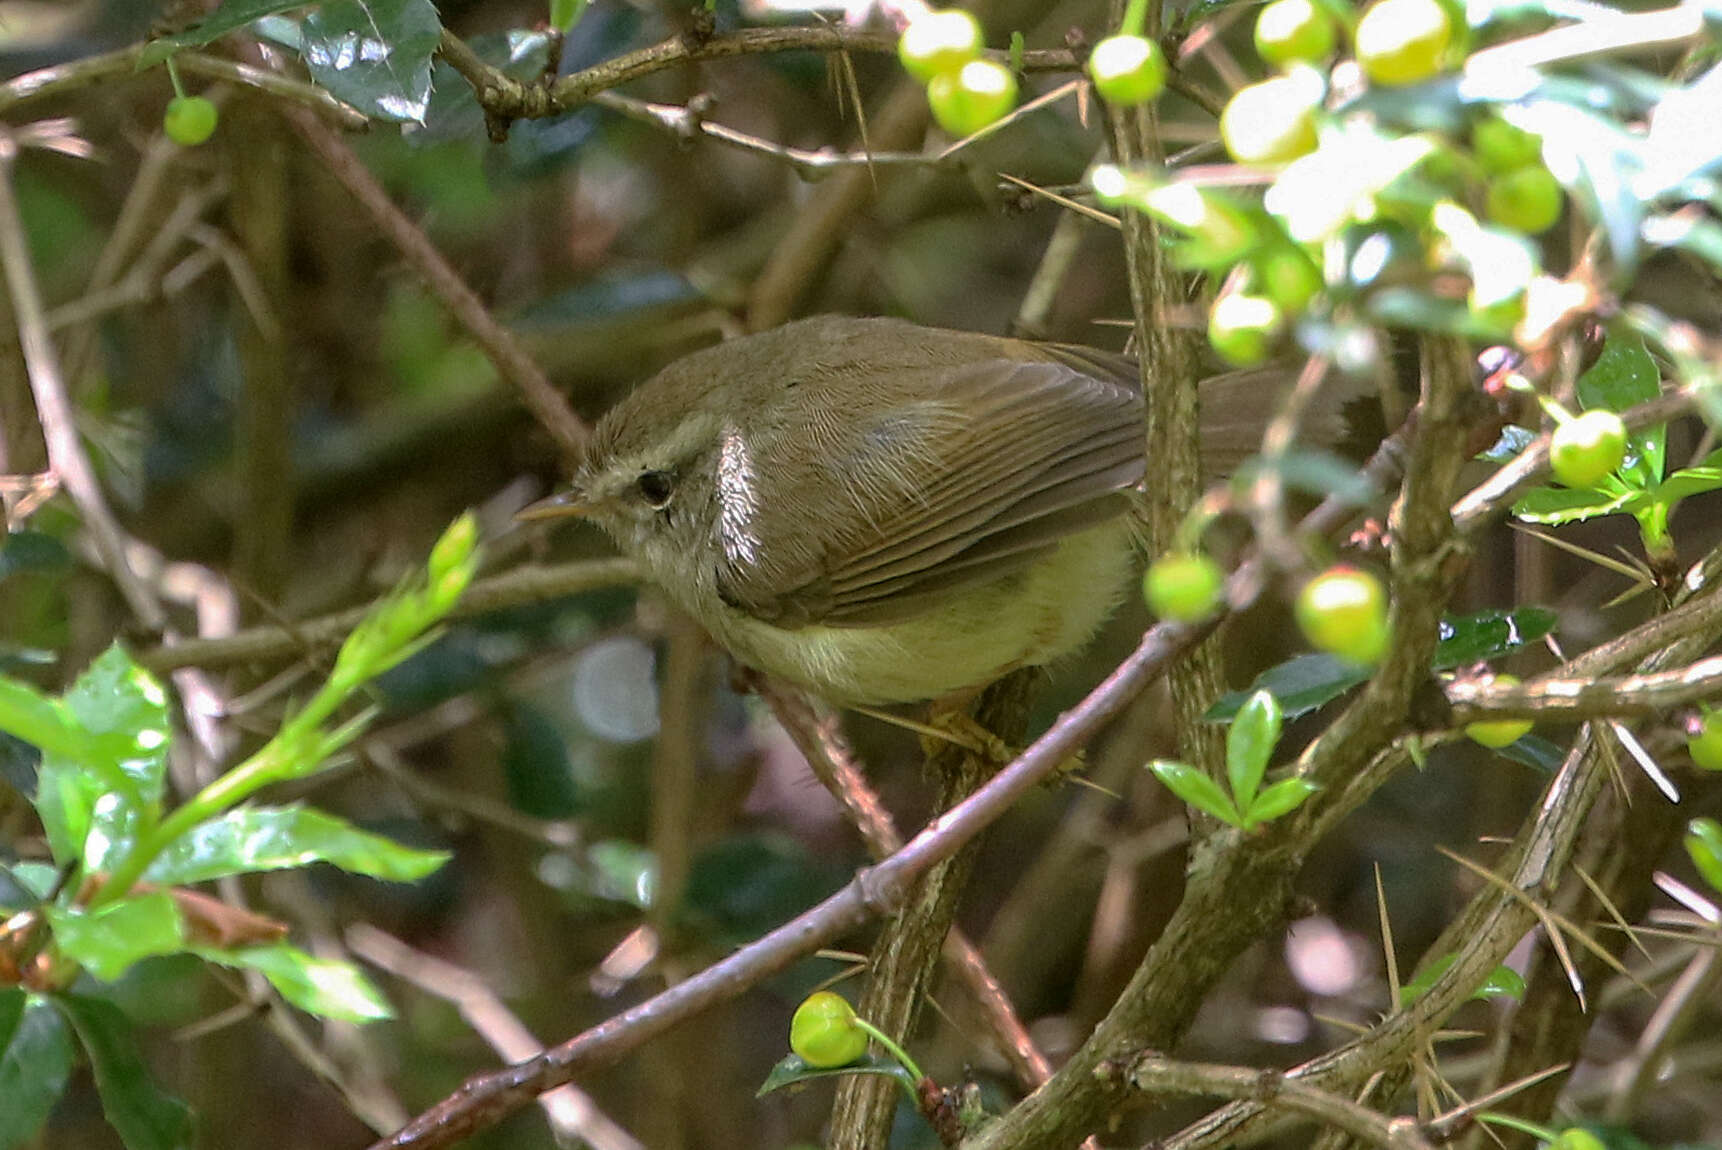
{"x":883,"y":512}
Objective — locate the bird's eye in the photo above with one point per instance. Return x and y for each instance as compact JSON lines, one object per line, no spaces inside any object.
{"x":656,"y":487}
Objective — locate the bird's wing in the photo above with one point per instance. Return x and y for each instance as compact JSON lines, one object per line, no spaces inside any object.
{"x":1002,"y":460}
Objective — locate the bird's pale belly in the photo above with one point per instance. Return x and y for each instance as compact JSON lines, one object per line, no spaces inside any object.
{"x":1029,"y":618}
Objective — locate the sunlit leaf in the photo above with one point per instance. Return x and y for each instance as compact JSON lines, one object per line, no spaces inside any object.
{"x":35,"y":1061}
{"x":108,"y":939}
{"x":1250,"y":742}
{"x":374,"y":54}
{"x":1278,"y":799}
{"x":272,"y":838}
{"x":1196,"y":789}
{"x":325,"y":987}
{"x":146,"y":1118}
{"x":39,"y":720}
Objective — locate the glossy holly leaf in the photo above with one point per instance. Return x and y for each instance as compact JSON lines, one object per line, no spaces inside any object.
{"x":792,"y":1070}
{"x":1623,"y":376}
{"x":321,"y":986}
{"x":1486,"y":635}
{"x":274,"y":838}
{"x":145,"y":1117}
{"x":453,"y":112}
{"x":229,"y":17}
{"x":1250,"y":742}
{"x":108,"y":939}
{"x":1300,"y":684}
{"x":125,"y":710}
{"x":1196,"y":789}
{"x":35,"y":1061}
{"x":1696,"y":480}
{"x":374,"y":54}
{"x":1554,"y":506}
{"x":118,"y":769}
{"x":1534,"y":751}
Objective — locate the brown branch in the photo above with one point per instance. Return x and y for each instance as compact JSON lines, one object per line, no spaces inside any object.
{"x":499,"y":344}
{"x":1153,"y":1074}
{"x":1586,"y":698}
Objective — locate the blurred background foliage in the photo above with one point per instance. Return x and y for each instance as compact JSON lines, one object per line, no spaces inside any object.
{"x":528,"y":740}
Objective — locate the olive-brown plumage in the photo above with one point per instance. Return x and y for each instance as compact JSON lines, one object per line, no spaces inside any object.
{"x":881,"y":511}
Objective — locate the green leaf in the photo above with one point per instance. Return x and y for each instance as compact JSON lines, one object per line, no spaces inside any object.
{"x":1281,"y":798}
{"x":12,"y":1002}
{"x":1535,"y":752}
{"x":1502,"y":982}
{"x":1623,"y":376}
{"x":110,"y":938}
{"x":564,"y":14}
{"x":146,"y":1118}
{"x":1696,"y":480}
{"x":375,"y":54}
{"x":42,"y":722}
{"x":1300,"y":684}
{"x":1704,"y":845}
{"x":1196,"y":789}
{"x":275,"y":838}
{"x":91,"y":798}
{"x":1487,"y":635}
{"x":792,"y":1070}
{"x":230,"y":17}
{"x":1249,"y":744}
{"x":1557,"y":505}
{"x":325,"y":987}
{"x":34,"y":1066}
{"x":125,"y":709}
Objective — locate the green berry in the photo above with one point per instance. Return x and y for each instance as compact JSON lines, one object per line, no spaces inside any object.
{"x":1706,"y":745}
{"x":1127,"y":69}
{"x":1526,"y":199}
{"x":1290,"y":31}
{"x":1183,"y":588}
{"x":1243,"y":328}
{"x":1273,"y":122}
{"x":1576,"y":1138}
{"x":971,"y":98}
{"x":823,"y":1031}
{"x":1287,"y":276}
{"x":1498,"y":733}
{"x":1403,"y":41}
{"x":938,"y":42}
{"x":1585,"y":451}
{"x":1502,"y":147}
{"x":189,"y":120}
{"x":1343,"y":611}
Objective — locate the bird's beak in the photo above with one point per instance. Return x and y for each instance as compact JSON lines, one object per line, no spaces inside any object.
{"x":570,"y":504}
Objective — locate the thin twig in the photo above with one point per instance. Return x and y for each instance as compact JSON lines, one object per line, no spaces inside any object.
{"x":261,"y":644}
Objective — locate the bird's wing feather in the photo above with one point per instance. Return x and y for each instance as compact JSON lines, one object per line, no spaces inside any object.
{"x":1032,"y":452}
